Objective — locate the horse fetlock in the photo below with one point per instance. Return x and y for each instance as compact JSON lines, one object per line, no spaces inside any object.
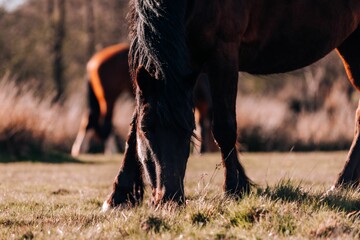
{"x":163,"y":194}
{"x":237,"y":186}
{"x":126,"y":195}
{"x":236,"y":182}
{"x":158,"y":195}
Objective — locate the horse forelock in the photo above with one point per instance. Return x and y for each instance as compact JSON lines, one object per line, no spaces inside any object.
{"x":158,"y":42}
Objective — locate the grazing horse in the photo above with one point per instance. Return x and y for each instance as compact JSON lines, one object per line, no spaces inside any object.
{"x":108,"y":78}
{"x":171,"y":41}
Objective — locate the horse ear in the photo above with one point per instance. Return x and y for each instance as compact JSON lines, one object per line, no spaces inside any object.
{"x":144,"y":80}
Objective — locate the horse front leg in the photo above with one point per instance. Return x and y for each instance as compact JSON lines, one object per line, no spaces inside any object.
{"x":128,"y":187}
{"x":350,"y":54}
{"x":223,"y":76}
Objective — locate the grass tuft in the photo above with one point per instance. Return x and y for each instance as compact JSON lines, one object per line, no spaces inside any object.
{"x":284,"y":224}
{"x":329,"y":229}
{"x":285,"y":190}
{"x":248,"y":217}
{"x":61,"y":191}
{"x":27,"y":236}
{"x":200,"y":218}
{"x":13,"y":223}
{"x":154,"y":224}
{"x":344,"y":199}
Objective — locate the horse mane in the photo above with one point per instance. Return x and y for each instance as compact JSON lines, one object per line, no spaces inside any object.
{"x":158,"y":42}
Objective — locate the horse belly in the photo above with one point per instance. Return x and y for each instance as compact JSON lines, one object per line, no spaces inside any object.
{"x":281,"y":56}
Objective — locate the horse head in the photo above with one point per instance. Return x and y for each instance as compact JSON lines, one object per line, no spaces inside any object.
{"x":162,"y":146}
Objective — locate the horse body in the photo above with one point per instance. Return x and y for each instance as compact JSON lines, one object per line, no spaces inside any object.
{"x":173,"y":40}
{"x":305,"y":31}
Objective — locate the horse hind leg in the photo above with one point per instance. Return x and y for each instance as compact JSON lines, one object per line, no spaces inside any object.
{"x":83,"y":137}
{"x":223,"y":77}
{"x":349,"y":52}
{"x":89,"y":126}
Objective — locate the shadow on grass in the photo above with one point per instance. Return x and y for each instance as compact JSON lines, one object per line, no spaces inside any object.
{"x":51,"y":157}
{"x":347,"y":200}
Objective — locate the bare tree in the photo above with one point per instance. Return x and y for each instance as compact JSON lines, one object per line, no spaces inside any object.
{"x":56,"y":14}
{"x":120,"y":8}
{"x":49,"y":9}
{"x":90,"y":27}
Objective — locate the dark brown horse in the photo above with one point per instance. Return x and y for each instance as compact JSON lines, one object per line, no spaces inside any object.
{"x":108,"y":78}
{"x":173,"y":40}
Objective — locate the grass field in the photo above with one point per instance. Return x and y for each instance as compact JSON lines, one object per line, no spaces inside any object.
{"x":62,"y":201}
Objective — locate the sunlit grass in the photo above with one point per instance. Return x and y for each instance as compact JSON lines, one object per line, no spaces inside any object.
{"x":63,"y":200}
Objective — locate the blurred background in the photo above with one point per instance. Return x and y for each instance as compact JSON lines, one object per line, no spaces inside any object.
{"x":44,"y":48}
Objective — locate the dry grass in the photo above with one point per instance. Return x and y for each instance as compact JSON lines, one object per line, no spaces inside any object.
{"x":32,"y":124}
{"x":62,"y":201}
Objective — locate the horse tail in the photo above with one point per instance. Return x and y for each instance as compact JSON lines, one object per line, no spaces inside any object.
{"x":94,"y":107}
{"x":95,"y":87}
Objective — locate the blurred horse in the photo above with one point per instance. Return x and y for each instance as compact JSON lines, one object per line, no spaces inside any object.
{"x":108,"y":78}
{"x":171,"y":41}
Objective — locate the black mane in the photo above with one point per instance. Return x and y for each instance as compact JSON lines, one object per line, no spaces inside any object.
{"x":158,"y":42}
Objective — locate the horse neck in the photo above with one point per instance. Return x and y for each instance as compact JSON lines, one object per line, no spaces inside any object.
{"x":159,"y":44}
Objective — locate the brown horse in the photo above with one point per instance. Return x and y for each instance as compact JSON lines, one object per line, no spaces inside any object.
{"x":171,"y":41}
{"x":108,"y":78}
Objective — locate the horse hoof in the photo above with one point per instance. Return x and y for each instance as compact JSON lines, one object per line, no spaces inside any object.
{"x":333,"y":187}
{"x":106,"y":207}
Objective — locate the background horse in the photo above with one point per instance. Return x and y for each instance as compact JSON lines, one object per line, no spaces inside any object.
{"x":171,"y":41}
{"x":108,"y":78}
